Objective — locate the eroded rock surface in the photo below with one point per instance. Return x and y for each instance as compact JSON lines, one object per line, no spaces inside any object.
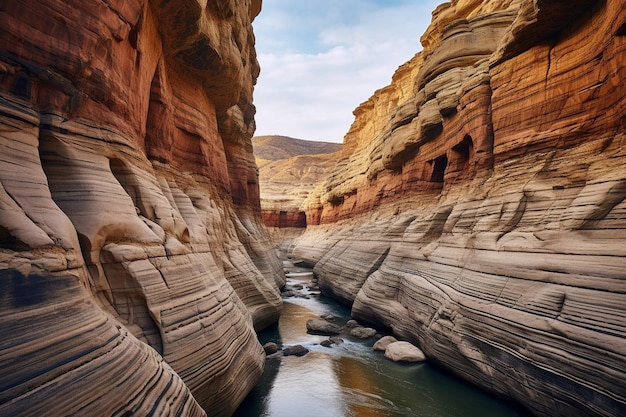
{"x":322,"y":327}
{"x":289,"y":170}
{"x":404,"y":352}
{"x":134,"y":267}
{"x":383,"y":342}
{"x":478,"y":209}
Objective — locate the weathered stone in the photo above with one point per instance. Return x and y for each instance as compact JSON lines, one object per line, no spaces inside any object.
{"x":322,"y":327}
{"x":296,"y":350}
{"x":326,"y":343}
{"x":336,"y":340}
{"x":270,"y":348}
{"x":363,"y":332}
{"x":328,"y":317}
{"x":404,"y":352}
{"x":382,"y":343}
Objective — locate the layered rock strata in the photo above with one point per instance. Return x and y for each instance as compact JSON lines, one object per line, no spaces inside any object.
{"x":479,"y":207}
{"x":134,"y":267}
{"x":289,"y":171}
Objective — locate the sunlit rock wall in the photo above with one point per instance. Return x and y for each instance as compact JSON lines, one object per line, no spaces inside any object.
{"x":289,"y":170}
{"x":134,"y":267}
{"x":479,"y":210}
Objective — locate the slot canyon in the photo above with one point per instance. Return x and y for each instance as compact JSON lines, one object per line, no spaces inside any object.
{"x":476,"y":207}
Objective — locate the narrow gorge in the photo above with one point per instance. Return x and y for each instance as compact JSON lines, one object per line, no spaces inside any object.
{"x":476,"y":207}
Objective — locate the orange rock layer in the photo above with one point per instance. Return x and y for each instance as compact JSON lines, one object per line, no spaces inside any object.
{"x":479,"y":206}
{"x":134,"y":266}
{"x":295,"y":219}
{"x":289,"y":171}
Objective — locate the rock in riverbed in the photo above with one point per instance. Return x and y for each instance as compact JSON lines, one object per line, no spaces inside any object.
{"x":270,"y":348}
{"x":404,"y":352}
{"x":363,"y":332}
{"x":382,"y":343}
{"x":335,"y":340}
{"x":296,"y":350}
{"x":328,"y":317}
{"x":322,"y":327}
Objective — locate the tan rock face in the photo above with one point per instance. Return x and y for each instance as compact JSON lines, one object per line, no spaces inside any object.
{"x":289,"y":171}
{"x":404,"y":352}
{"x":481,"y":215}
{"x":134,"y":267}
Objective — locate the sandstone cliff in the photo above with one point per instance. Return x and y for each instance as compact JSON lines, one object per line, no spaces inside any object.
{"x":479,"y":210}
{"x":289,"y":170}
{"x":134,"y":267}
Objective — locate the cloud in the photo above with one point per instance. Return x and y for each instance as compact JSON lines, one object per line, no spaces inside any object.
{"x":320,"y":60}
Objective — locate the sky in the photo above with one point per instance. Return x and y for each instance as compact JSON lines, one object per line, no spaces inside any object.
{"x":321,"y":59}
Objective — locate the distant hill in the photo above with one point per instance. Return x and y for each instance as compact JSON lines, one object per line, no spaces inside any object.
{"x":274,"y":148}
{"x":289,"y":169}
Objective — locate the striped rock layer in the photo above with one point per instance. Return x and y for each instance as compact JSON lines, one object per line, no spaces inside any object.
{"x":289,"y":170}
{"x":483,"y":217}
{"x":134,"y":266}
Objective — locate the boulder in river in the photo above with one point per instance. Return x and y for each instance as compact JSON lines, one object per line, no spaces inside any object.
{"x":323,"y":327}
{"x":270,"y":348}
{"x":363,"y":332}
{"x":334,"y":340}
{"x":383,"y":342}
{"x":295,"y":350}
{"x":404,"y":352}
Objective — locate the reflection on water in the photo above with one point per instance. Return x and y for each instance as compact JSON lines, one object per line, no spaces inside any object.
{"x":352,"y":380}
{"x":292,"y":325}
{"x":361,"y":394}
{"x":303,"y":385}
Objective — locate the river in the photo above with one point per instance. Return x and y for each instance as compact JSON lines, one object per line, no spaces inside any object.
{"x":350,"y":379}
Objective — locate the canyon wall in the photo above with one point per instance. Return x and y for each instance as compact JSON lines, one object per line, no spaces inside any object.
{"x":289,"y":171}
{"x":478,"y":208}
{"x":134,"y":266}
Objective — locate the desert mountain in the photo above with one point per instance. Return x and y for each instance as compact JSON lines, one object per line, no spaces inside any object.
{"x":274,"y":147}
{"x":289,"y":170}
